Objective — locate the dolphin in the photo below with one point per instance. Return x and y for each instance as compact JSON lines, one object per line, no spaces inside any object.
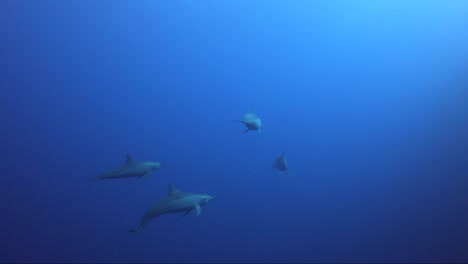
{"x":251,"y":121}
{"x":175,"y":202}
{"x":281,"y":164}
{"x":131,"y":168}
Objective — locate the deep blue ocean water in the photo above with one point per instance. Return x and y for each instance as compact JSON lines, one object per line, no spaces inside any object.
{"x":369,"y":99}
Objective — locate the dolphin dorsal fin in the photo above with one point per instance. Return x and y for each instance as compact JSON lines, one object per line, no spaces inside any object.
{"x":172,"y":189}
{"x":251,"y":109}
{"x":129,"y":159}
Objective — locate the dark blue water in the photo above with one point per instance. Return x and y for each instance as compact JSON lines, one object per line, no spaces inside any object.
{"x":368,"y":98}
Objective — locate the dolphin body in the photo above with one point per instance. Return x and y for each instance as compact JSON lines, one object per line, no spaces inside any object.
{"x":175,"y":202}
{"x":251,"y":121}
{"x":281,"y":164}
{"x":131,"y":168}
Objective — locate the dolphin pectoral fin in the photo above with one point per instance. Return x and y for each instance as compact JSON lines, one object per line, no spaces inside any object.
{"x":247,"y":130}
{"x":135,"y":231}
{"x":187,"y":212}
{"x":198,"y":209}
{"x":259,"y":131}
{"x":145,"y":176}
{"x":97,"y":178}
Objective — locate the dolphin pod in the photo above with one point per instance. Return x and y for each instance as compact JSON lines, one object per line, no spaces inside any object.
{"x":176,"y":201}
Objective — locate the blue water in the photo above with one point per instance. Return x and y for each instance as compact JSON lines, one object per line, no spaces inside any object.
{"x":367,"y":98}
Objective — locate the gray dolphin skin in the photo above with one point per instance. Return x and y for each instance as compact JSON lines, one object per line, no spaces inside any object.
{"x":175,"y":202}
{"x":130,"y":169}
{"x":252,"y":122}
{"x":280,"y":164}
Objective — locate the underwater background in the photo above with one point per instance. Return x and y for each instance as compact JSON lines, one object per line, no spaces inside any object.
{"x":369,"y":100}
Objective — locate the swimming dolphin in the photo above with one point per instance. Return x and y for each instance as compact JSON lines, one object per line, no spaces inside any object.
{"x":175,"y":202}
{"x":280,"y":164}
{"x":131,"y":168}
{"x":251,"y":121}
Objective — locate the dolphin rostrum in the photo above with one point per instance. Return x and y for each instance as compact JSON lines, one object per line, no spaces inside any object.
{"x":175,"y":202}
{"x":131,"y":168}
{"x":280,"y":164}
{"x":251,"y":121}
